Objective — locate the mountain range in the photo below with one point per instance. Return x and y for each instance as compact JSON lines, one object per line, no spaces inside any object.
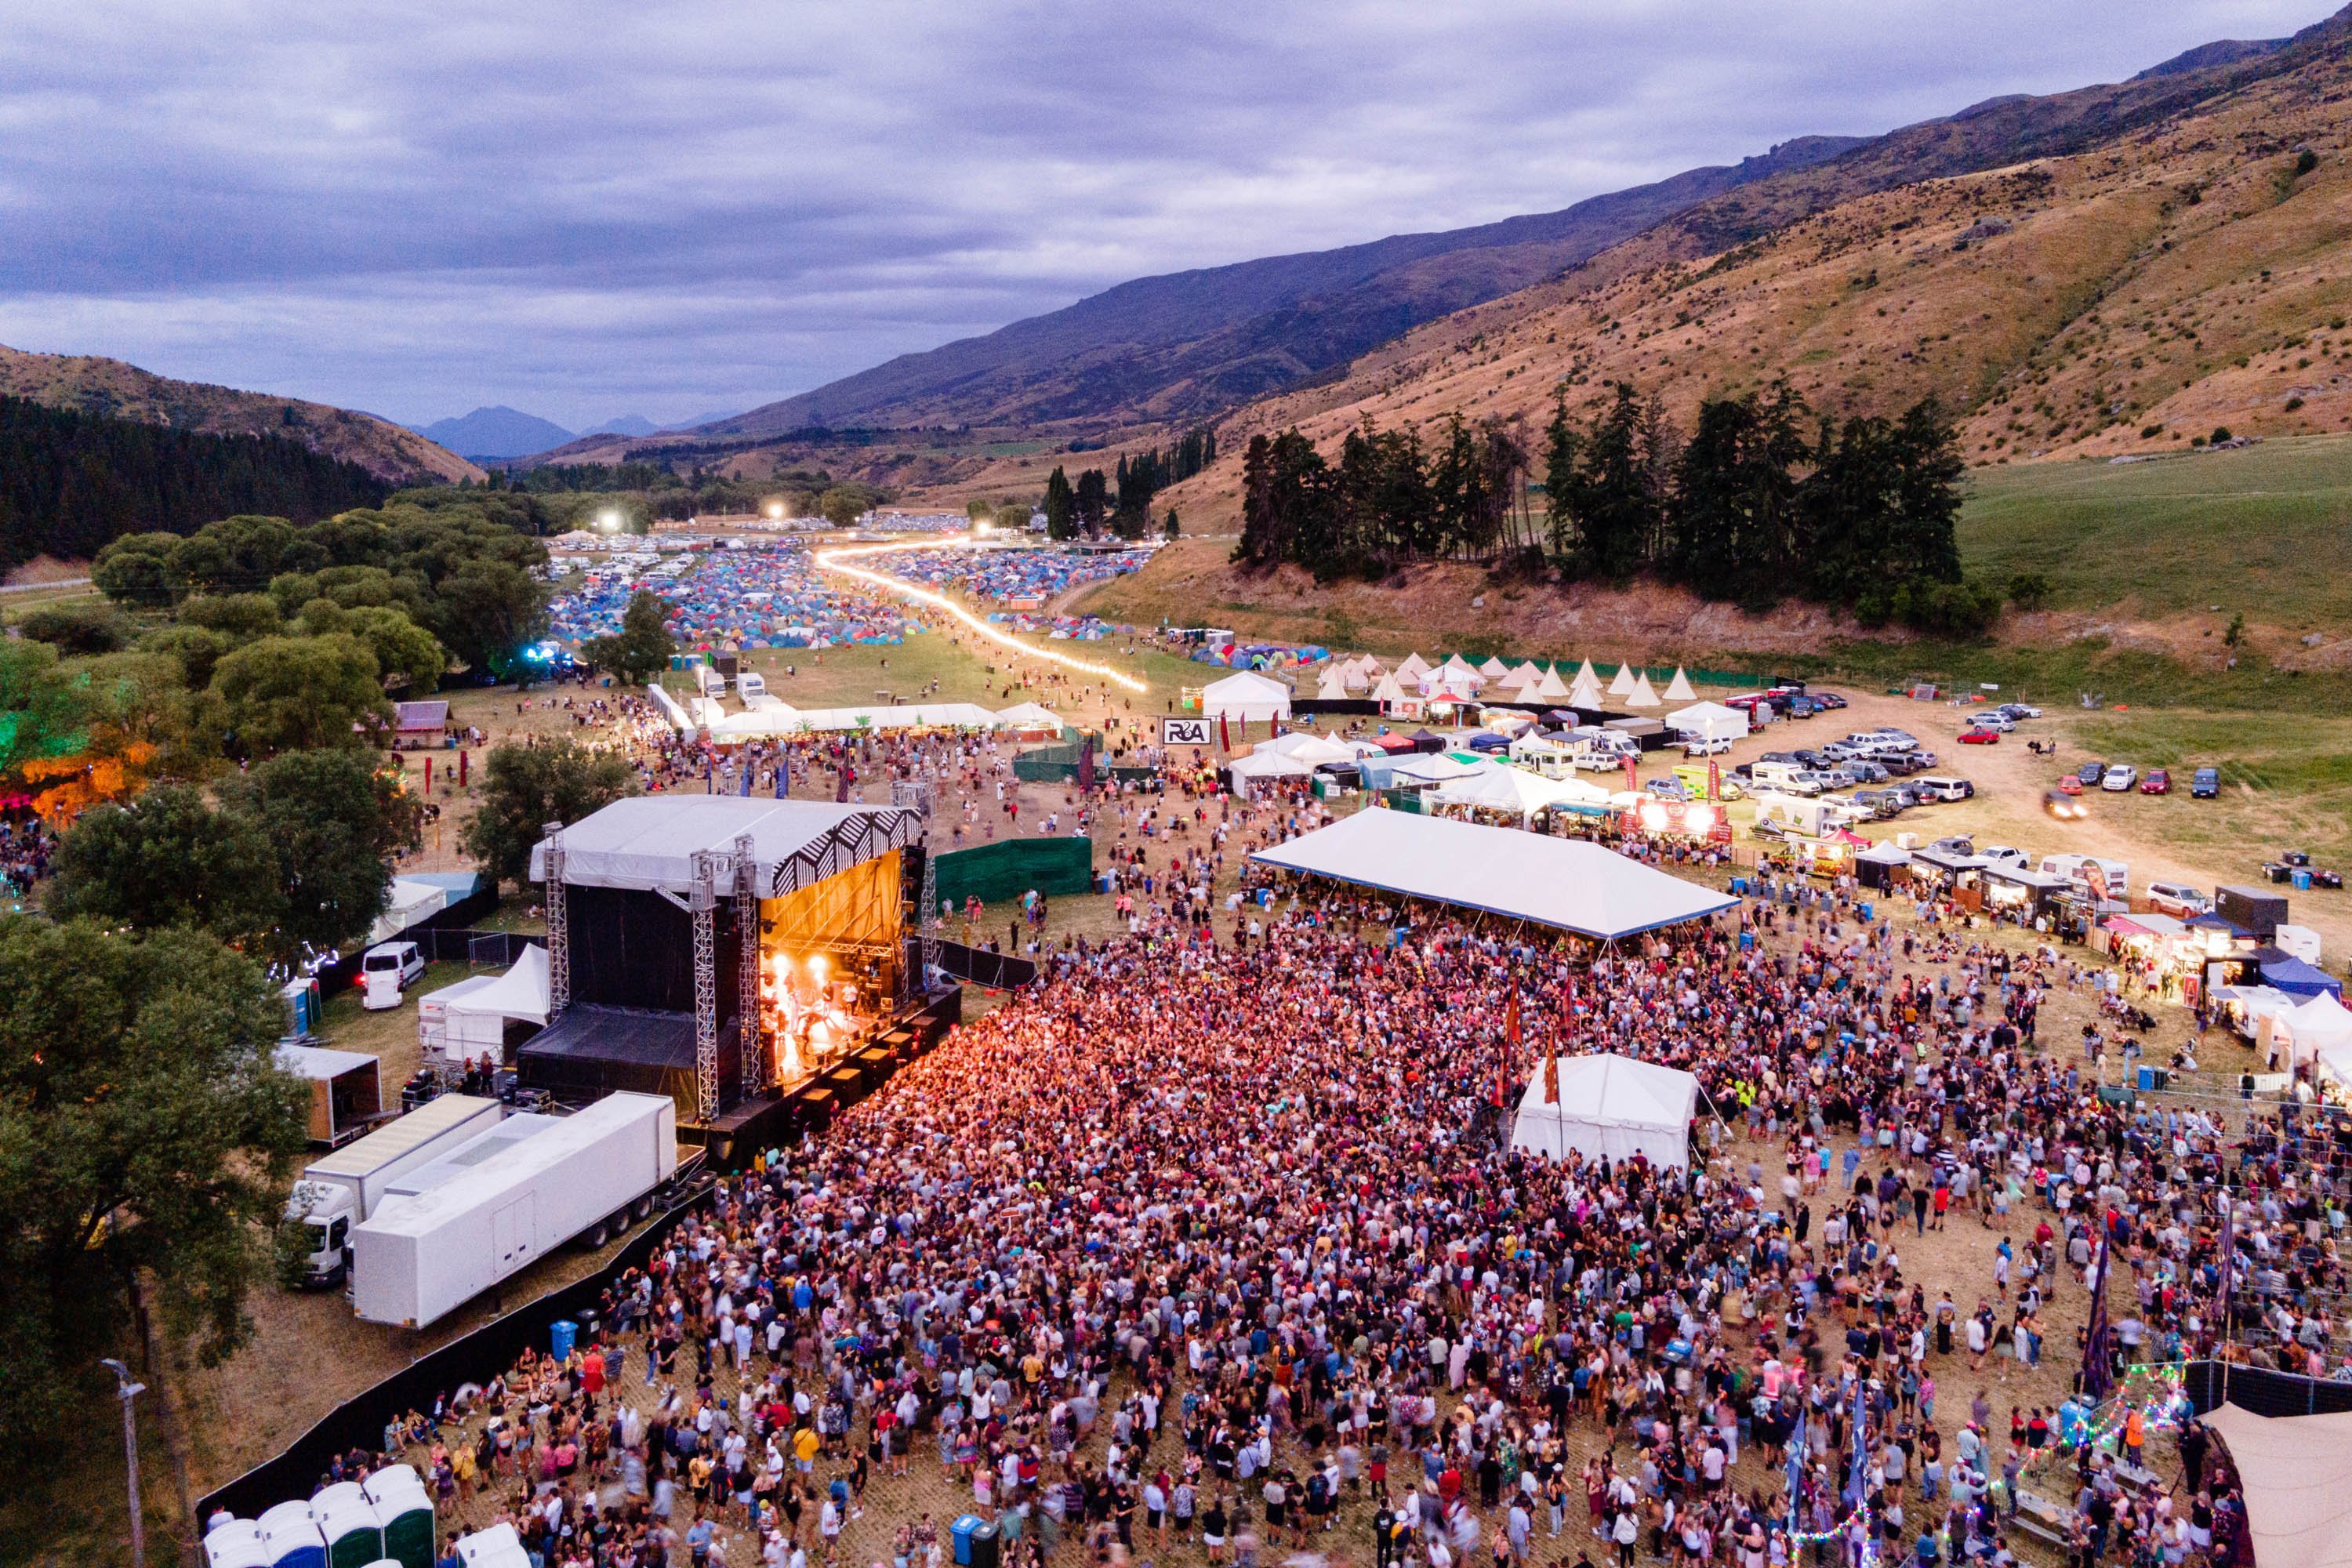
{"x":497,"y":433}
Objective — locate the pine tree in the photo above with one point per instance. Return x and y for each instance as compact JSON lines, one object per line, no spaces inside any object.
{"x":1061,"y":507}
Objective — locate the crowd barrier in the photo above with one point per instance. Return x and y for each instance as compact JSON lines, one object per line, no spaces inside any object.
{"x":2212,"y":1383}
{"x":997,"y":970}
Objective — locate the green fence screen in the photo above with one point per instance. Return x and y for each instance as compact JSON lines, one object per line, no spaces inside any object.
{"x":995,"y":873}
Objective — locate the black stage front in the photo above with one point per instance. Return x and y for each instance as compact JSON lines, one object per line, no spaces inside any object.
{"x":599,"y":1050}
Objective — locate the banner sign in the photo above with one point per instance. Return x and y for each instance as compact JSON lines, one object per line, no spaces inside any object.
{"x":1175,"y":732}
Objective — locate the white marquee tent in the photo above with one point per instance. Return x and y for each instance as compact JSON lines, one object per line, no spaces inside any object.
{"x":1566,"y":883}
{"x":1708,"y":719}
{"x":1609,"y":1107}
{"x":2320,"y":1028}
{"x":1029,"y":716}
{"x":1243,"y":696}
{"x":1265,"y":767}
{"x":1515,"y":790}
{"x":1305,"y":746}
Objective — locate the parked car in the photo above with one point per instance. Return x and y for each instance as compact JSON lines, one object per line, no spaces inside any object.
{"x":1993,"y":718}
{"x":2158,"y":782}
{"x":1706,"y":746}
{"x":2119,"y":778}
{"x":1884,"y":803}
{"x":1944,"y":788}
{"x":2070,"y":784}
{"x":1954,"y":843}
{"x":2003,"y":854}
{"x":2017,"y":710}
{"x":1669,"y":789}
{"x":2091,"y":772}
{"x":2178,"y":900}
{"x":386,"y":971}
{"x":1867,"y":770}
{"x":2205,"y":784}
{"x":1973,"y":736}
{"x":1828,"y":700}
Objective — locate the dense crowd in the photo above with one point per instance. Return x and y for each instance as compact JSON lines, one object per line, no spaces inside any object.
{"x":26,"y":845}
{"x":1213,"y":1239}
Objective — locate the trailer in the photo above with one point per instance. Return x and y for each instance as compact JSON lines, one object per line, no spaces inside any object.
{"x":341,"y":1190}
{"x":346,"y":1090}
{"x":417,"y":1259}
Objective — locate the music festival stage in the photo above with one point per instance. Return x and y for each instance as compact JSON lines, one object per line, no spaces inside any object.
{"x":757,"y":961}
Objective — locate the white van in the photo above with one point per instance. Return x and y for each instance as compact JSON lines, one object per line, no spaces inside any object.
{"x":1601,"y":749}
{"x":1789,"y":778}
{"x":751,"y":686}
{"x":386,"y":971}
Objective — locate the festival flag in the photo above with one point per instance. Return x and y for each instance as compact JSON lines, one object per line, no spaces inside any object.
{"x":1567,"y":1029}
{"x":1713,"y":780}
{"x":1087,"y":761}
{"x":463,"y":758}
{"x":1225,"y":735}
{"x":1632,"y":773}
{"x":429,"y":775}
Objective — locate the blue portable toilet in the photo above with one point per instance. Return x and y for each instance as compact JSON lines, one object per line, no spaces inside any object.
{"x":562,"y":1335}
{"x":961,"y":1531}
{"x":292,"y":1538}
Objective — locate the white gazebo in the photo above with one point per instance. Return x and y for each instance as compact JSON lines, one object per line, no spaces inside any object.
{"x":1709,"y":720}
{"x":1245,"y":695}
{"x":1609,"y":1107}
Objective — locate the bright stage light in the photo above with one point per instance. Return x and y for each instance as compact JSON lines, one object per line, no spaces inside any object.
{"x":1698,"y":819}
{"x":817,"y":965}
{"x":1654,"y":817}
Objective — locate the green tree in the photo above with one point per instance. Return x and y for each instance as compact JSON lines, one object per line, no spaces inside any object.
{"x":524,"y":789}
{"x":641,"y":649}
{"x":334,"y":820}
{"x":842,"y":505}
{"x":410,"y":658}
{"x":43,"y":712}
{"x":487,"y":611}
{"x":1170,"y":528}
{"x":168,"y":859}
{"x":1091,"y":502}
{"x":285,"y":694}
{"x":146,"y":1140}
{"x":240,"y":618}
{"x":1012,"y":517}
{"x":78,"y":628}
{"x":1061,"y":506}
{"x":140,"y":570}
{"x":197,"y":650}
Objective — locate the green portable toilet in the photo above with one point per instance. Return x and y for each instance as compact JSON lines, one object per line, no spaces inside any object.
{"x":348,"y":1520}
{"x":404,"y":1513}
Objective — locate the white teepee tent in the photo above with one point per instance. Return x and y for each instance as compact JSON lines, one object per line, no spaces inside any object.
{"x":1679,"y":688}
{"x":1493,"y":669}
{"x":1414,"y":669}
{"x":1585,"y":692}
{"x":1642,"y":696}
{"x":1551,"y":689}
{"x":1621,"y":683}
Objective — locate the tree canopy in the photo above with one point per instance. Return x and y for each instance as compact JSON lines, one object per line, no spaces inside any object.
{"x":168,"y":859}
{"x":332,"y":821}
{"x":641,"y":649}
{"x":524,"y":789}
{"x":145,"y":1134}
{"x":285,"y":694}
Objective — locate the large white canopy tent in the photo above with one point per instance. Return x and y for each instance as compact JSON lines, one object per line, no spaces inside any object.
{"x":1264,"y":767}
{"x":1245,"y":695}
{"x":1565,"y":883}
{"x":2320,"y":1028}
{"x":1609,"y":1107}
{"x":1029,"y":716}
{"x":1308,"y":747}
{"x":775,"y":719}
{"x":1502,"y":788}
{"x":1708,"y":720}
{"x":2297,"y":1472}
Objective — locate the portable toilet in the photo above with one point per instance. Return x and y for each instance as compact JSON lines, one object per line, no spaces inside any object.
{"x":292,"y":1538}
{"x":236,"y":1544}
{"x":497,"y":1547}
{"x":347,"y":1520}
{"x":404,"y":1512}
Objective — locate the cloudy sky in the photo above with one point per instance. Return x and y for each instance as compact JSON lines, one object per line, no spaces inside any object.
{"x":672,"y":207}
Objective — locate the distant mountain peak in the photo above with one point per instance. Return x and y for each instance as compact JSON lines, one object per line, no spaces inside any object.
{"x":2221,"y":52}
{"x":497,"y":431}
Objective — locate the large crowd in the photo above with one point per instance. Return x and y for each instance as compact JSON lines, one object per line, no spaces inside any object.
{"x":26,"y":845}
{"x":1213,"y":1241}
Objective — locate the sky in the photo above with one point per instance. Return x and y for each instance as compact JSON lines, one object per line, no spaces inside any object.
{"x":666,"y":208}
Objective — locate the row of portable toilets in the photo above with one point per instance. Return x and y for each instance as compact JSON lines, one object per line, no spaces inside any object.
{"x":383,"y":1522}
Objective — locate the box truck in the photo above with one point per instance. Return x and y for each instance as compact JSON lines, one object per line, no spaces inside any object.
{"x":337,"y":1192}
{"x":416,"y":1258}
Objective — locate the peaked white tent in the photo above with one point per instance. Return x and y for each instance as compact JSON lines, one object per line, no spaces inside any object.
{"x":1493,"y":669}
{"x":1331,"y":686}
{"x":1642,"y":696}
{"x":1680,"y":690}
{"x":1392,"y":697}
{"x":1621,"y":683}
{"x":1609,"y":1107}
{"x":1414,"y":668}
{"x":2321,"y":1027}
{"x":1708,"y":720}
{"x":1516,"y":791}
{"x":2296,"y":1471}
{"x":1585,"y":671}
{"x":406,"y":901}
{"x":1585,"y":692}
{"x":1029,"y":716}
{"x":1519,"y":683}
{"x":1261,"y":767}
{"x":1243,"y":696}
{"x":1551,"y":689}
{"x":1305,"y":746}
{"x":1455,"y":672}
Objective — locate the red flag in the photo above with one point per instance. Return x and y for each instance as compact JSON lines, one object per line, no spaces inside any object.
{"x":1225,"y":735}
{"x":1632,"y":773}
{"x":429,"y":775}
{"x":1713,"y":780}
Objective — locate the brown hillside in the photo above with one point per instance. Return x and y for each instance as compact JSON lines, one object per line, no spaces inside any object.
{"x":2180,"y":276}
{"x":92,"y":385}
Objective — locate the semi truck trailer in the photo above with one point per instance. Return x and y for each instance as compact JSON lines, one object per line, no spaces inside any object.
{"x":587,"y":1174}
{"x":337,"y":1192}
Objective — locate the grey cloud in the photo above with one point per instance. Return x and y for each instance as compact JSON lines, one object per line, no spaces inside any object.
{"x":578,"y":208}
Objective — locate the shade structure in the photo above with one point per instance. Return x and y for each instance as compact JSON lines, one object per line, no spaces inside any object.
{"x":1680,"y":690}
{"x":1243,"y":697}
{"x":1413,"y":667}
{"x":1567,"y":884}
{"x":650,"y":841}
{"x":1029,"y":716}
{"x":2296,"y":1472}
{"x":1706,"y":719}
{"x":772,"y":719}
{"x":1621,"y":683}
{"x":1502,"y":788}
{"x":1520,"y":684}
{"x":2320,"y":1027}
{"x":1454,"y":671}
{"x":1261,"y":768}
{"x":1609,"y":1107}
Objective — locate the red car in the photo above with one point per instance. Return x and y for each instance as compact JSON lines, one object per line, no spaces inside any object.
{"x":2158,"y":782}
{"x":2070,"y":784}
{"x":1979,"y":737}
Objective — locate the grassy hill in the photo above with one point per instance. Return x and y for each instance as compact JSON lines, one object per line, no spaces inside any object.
{"x":88,"y":384}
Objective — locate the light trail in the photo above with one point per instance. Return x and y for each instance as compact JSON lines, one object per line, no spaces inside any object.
{"x":832,"y":561}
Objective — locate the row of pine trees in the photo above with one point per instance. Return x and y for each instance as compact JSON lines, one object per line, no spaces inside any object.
{"x":1121,"y":502}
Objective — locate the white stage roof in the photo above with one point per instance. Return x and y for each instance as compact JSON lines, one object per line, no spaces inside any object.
{"x":648,"y":842}
{"x":1563,"y":882}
